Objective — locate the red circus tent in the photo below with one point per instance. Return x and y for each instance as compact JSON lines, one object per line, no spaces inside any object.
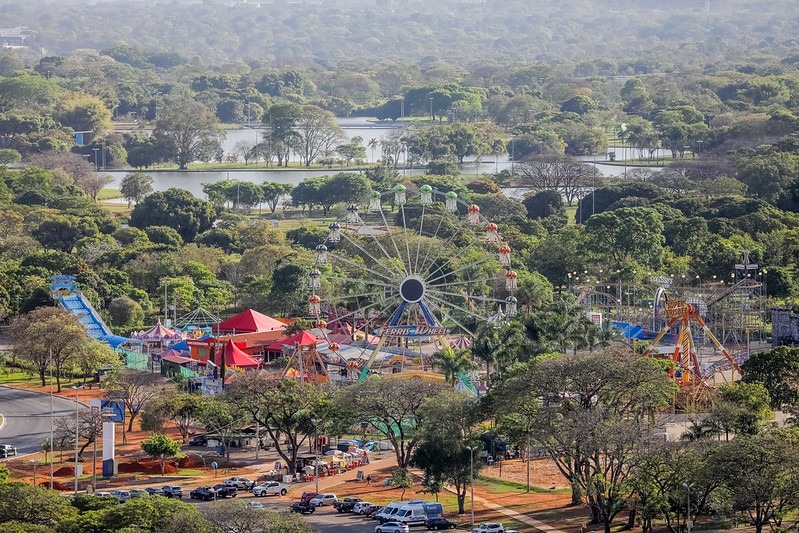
{"x":250,"y":321}
{"x":234,"y":356}
{"x":303,"y":338}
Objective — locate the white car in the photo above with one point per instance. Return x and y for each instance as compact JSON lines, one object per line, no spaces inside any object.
{"x":255,"y":505}
{"x":489,"y":527}
{"x":121,"y":495}
{"x":270,"y":488}
{"x":359,"y":507}
{"x":241,"y":483}
{"x":323,"y":499}
{"x":392,"y":527}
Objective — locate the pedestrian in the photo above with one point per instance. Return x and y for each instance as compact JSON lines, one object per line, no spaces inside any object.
{"x":368,"y":480}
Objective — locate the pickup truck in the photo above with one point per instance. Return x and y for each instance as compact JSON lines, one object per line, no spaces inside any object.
{"x":346,"y":505}
{"x":225,"y":491}
{"x":241,"y":483}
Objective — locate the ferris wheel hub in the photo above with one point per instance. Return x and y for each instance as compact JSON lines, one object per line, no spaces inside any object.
{"x":412,"y":289}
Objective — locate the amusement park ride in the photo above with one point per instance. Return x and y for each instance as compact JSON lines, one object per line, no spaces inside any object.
{"x":407,"y":284}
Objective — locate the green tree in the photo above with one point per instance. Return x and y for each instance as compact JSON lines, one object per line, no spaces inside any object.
{"x":741,"y":408}
{"x":222,"y":418}
{"x":125,"y":311}
{"x":83,"y":112}
{"x":316,"y":133}
{"x":286,"y":408}
{"x":442,"y":453}
{"x":161,"y":447}
{"x":778,"y":371}
{"x":273,"y":192}
{"x":767,"y":175}
{"x":343,"y":187}
{"x":33,"y":505}
{"x":177,"y":209}
{"x":48,"y":338}
{"x":281,"y":119}
{"x":187,"y":131}
{"x":759,"y":475}
{"x":394,"y":408}
{"x":453,"y":363}
{"x":8,"y":156}
{"x":135,"y":187}
{"x":402,"y":479}
{"x":626,"y":234}
{"x":151,"y":514}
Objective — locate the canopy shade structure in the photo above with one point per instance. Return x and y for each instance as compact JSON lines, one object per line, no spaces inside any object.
{"x":199,"y":317}
{"x":158,"y":333}
{"x":234,"y":356}
{"x":250,"y":321}
{"x":303,"y":339}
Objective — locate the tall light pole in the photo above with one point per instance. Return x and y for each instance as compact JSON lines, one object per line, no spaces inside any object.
{"x":688,"y":523}
{"x":52,"y":425}
{"x":95,"y":158}
{"x":471,"y":478}
{"x":33,"y":461}
{"x":77,"y":435}
{"x":316,"y":454}
{"x":432,"y":116}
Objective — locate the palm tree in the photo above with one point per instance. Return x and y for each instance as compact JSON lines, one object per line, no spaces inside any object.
{"x":373,"y":143}
{"x":453,"y":363}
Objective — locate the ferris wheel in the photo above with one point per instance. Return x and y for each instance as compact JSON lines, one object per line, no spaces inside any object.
{"x":412,"y":266}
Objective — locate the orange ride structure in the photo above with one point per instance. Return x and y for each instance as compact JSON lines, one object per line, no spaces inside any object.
{"x":686,"y":371}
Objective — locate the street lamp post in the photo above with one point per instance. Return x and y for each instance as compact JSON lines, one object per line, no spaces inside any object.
{"x":33,"y":461}
{"x":471,"y":479}
{"x":77,"y":435}
{"x":316,"y":456}
{"x":95,"y":158}
{"x":688,"y":523}
{"x":432,"y":116}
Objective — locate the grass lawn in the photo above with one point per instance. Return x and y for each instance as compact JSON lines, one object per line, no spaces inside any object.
{"x":109,"y":194}
{"x":501,"y":486}
{"x":16,"y":379}
{"x":191,"y":472}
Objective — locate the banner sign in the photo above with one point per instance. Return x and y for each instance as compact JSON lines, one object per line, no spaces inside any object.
{"x":663,"y":281}
{"x":413,"y":331}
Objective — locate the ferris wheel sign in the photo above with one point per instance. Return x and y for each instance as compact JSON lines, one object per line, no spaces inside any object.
{"x":413,"y":331}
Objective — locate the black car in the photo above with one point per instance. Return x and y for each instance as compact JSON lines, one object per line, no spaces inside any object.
{"x":346,"y":505}
{"x":302,"y":508}
{"x":225,"y":491}
{"x":202,"y":493}
{"x":198,"y":440}
{"x":154,"y":491}
{"x":439,"y":523}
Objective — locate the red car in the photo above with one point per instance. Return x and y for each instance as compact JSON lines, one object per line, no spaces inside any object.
{"x":307,"y":496}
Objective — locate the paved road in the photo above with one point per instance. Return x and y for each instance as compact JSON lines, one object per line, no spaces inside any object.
{"x":27,"y":417}
{"x":328,"y":520}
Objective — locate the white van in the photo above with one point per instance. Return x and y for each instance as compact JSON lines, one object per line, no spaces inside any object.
{"x":387,"y":513}
{"x":417,"y":512}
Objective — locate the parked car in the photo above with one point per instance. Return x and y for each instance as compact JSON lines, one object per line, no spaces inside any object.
{"x":103,"y":495}
{"x":307,"y":496}
{"x":6,"y":450}
{"x":255,"y":505}
{"x":241,"y":483}
{"x":489,"y":527}
{"x":155,"y":491}
{"x":361,"y":506}
{"x":346,"y":505}
{"x":439,"y":523}
{"x":202,"y":493}
{"x":172,"y":491}
{"x":225,"y":491}
{"x":198,"y":440}
{"x":270,"y":488}
{"x":135,"y":493}
{"x":323,"y":499}
{"x":121,"y":495}
{"x":371,"y":510}
{"x":302,"y":508}
{"x":392,"y":527}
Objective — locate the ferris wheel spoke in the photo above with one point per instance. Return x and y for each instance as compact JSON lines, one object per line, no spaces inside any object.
{"x":467,"y":296}
{"x":397,"y":270}
{"x":447,"y":316}
{"x":433,"y":243}
{"x":407,"y":244}
{"x":359,"y":310}
{"x":364,"y":281}
{"x":453,"y":272}
{"x":419,"y":242}
{"x":359,"y":295}
{"x":464,"y":282}
{"x":443,"y":302}
{"x":391,"y":273}
{"x":394,"y":242}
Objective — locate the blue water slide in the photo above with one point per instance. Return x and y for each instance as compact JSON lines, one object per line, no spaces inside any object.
{"x":78,"y":305}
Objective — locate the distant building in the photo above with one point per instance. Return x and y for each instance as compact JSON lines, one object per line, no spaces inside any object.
{"x":12,"y":37}
{"x":784,"y":327}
